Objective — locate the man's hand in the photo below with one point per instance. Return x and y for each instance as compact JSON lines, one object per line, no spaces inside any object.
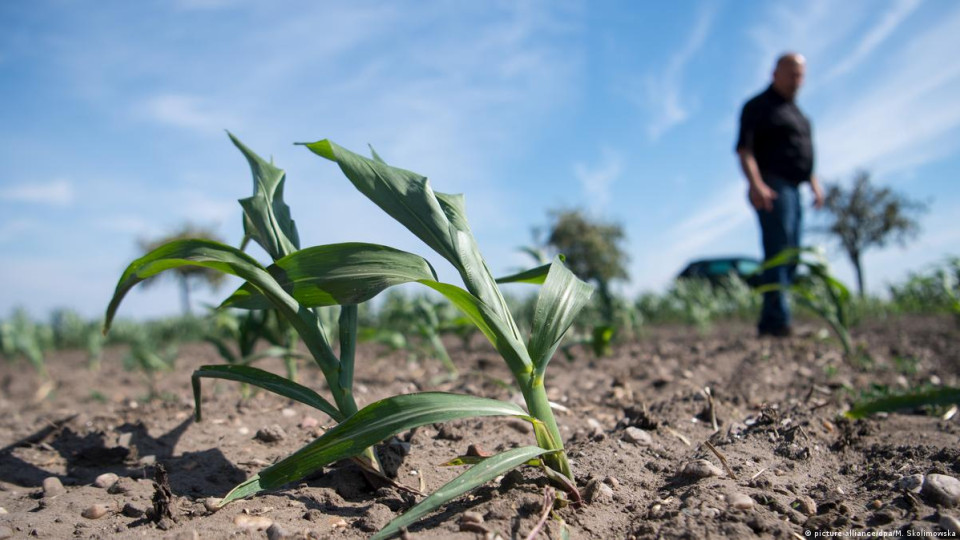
{"x":761,"y":196}
{"x":817,"y":193}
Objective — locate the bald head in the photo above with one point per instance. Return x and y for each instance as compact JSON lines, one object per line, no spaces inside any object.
{"x":788,"y":74}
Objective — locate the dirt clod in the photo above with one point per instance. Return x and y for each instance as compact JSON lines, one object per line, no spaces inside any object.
{"x":271,"y":434}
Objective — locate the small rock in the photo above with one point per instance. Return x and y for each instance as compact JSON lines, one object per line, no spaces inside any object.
{"x":96,"y":511}
{"x":106,"y":480}
{"x":912,"y":483}
{"x":637,"y":436}
{"x":740,"y":501}
{"x":950,"y":523}
{"x":309,"y":422}
{"x":288,"y":412}
{"x":876,"y":504}
{"x":121,"y":486}
{"x":52,"y":487}
{"x":805,"y":505}
{"x":701,"y":468}
{"x":942,"y":489}
{"x":148,"y":461}
{"x":3,"y":511}
{"x":243,"y":430}
{"x":212,"y":504}
{"x":597,"y":491}
{"x":5,"y":532}
{"x":275,"y":532}
{"x":594,"y":423}
{"x":259,"y":523}
{"x":270,"y":434}
{"x":133,"y":510}
{"x":612,"y":482}
{"x":472,"y":517}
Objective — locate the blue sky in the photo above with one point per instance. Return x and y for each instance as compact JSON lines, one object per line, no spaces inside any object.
{"x":112,"y":118}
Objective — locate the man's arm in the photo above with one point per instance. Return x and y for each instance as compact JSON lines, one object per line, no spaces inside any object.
{"x":760,"y":194}
{"x":817,"y":192}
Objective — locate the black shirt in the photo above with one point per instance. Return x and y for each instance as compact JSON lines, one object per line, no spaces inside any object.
{"x":779,"y":135}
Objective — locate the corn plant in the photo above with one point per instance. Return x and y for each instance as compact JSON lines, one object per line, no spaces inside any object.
{"x":20,"y":336}
{"x":267,"y":221}
{"x":150,"y":358}
{"x":348,"y":273}
{"x":816,"y":289}
{"x":237,"y":334}
{"x":402,"y":317}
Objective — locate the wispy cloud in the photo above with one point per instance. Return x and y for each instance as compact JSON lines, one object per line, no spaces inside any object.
{"x":59,"y":192}
{"x":903,"y":116}
{"x":188,"y":112}
{"x":874,"y":37}
{"x":664,"y":93}
{"x":596,"y":180}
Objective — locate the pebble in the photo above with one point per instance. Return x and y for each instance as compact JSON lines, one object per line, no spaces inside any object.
{"x":260,"y":523}
{"x":121,"y":486}
{"x":942,"y":489}
{"x":701,"y":468}
{"x":950,"y":523}
{"x":276,"y":532}
{"x":52,"y":487}
{"x":271,"y":434}
{"x":911,"y":483}
{"x":309,"y":422}
{"x":243,"y":430}
{"x":805,"y":505}
{"x":288,"y":413}
{"x":212,"y":504}
{"x":96,"y":511}
{"x":740,"y":501}
{"x":133,"y":510}
{"x":106,"y":480}
{"x":637,"y":436}
{"x":876,"y":504}
{"x":5,"y":532}
{"x":148,"y":460}
{"x":3,"y":511}
{"x":472,"y":517}
{"x":598,"y":491}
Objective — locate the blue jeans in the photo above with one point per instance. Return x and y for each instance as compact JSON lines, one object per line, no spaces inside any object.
{"x":780,"y":229}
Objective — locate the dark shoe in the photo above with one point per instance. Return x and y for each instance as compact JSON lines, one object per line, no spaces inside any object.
{"x":778,"y":332}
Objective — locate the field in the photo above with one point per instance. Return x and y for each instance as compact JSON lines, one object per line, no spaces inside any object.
{"x":636,"y":425}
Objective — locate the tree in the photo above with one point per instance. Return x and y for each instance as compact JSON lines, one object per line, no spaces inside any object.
{"x":867,"y":216}
{"x":592,"y":249}
{"x":186,"y":275}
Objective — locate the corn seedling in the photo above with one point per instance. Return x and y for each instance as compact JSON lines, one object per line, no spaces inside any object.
{"x":150,"y":358}
{"x":346,"y":274}
{"x":267,"y":221}
{"x":886,"y":402}
{"x":244,"y":330}
{"x":20,"y":336}
{"x":403,"y":317}
{"x":816,"y":289}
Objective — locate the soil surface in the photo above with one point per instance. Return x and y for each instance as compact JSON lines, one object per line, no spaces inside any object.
{"x":637,"y":425}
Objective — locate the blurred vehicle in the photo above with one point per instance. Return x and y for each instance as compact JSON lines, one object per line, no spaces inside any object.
{"x":716,"y":269}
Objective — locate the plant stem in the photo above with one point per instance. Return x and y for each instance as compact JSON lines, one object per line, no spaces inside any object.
{"x":535,"y":395}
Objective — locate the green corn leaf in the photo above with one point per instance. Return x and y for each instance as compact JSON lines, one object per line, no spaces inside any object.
{"x":938,"y":396}
{"x":535,"y":276}
{"x":476,"y":476}
{"x":337,"y":274}
{"x":266,"y":217}
{"x":438,"y":219}
{"x":267,"y":381}
{"x":205,"y":253}
{"x":561,"y":298}
{"x":370,"y":425}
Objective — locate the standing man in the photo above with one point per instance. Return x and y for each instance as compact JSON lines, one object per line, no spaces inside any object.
{"x":776,"y":155}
